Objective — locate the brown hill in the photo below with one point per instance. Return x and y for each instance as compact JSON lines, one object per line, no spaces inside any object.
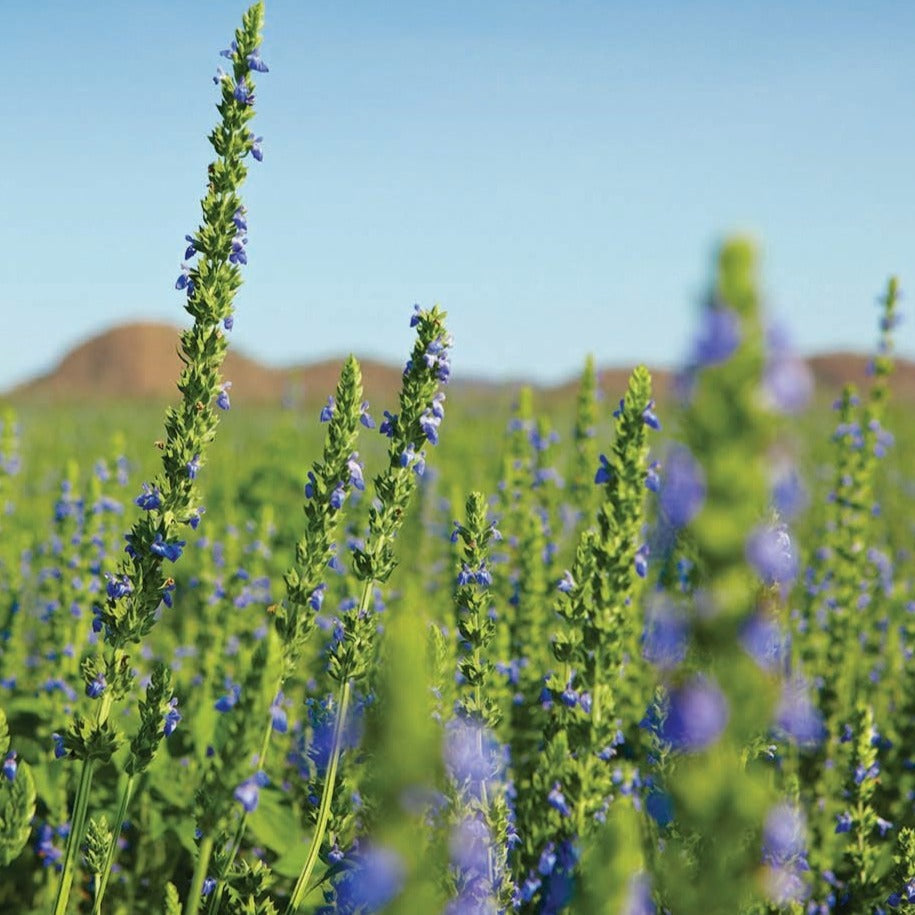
{"x":140,"y":361}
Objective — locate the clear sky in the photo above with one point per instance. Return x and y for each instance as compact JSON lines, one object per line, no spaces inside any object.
{"x":554,"y":174}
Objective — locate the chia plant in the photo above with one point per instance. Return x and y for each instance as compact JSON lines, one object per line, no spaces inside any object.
{"x":141,"y":583}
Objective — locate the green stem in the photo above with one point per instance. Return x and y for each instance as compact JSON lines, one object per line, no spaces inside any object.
{"x":330,"y":777}
{"x":326,"y":797}
{"x":216,"y":898}
{"x":112,"y":850}
{"x":80,"y":807}
{"x":203,"y":862}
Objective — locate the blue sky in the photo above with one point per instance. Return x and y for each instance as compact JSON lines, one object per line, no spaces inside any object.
{"x":555,"y":174}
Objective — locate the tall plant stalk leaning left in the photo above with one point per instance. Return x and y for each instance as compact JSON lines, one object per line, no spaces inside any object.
{"x":142,"y":583}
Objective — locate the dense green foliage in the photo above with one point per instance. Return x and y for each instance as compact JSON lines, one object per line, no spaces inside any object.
{"x":586,"y":654}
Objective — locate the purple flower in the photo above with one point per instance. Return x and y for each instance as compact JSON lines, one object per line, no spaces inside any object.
{"x":547,"y":860}
{"x":338,"y":497}
{"x":417,"y":314}
{"x":230,"y":51}
{"x":172,"y":717}
{"x":248,"y":792}
{"x":429,"y":423}
{"x":764,"y":640}
{"x":789,"y":496}
{"x":118,"y":586}
{"x":243,"y":92}
{"x":719,"y":336}
{"x":238,"y":255}
{"x":665,"y":636}
{"x":638,"y":899}
{"x":45,"y":848}
{"x":556,"y":800}
{"x":10,"y":766}
{"x":60,"y":749}
{"x":409,"y":457}
{"x":230,"y":699}
{"x":604,"y":472}
{"x":150,"y":499}
{"x":365,"y":417}
{"x":208,"y":886}
{"x":96,"y":686}
{"x":653,"y":477}
{"x":683,"y":488}
{"x":697,"y":715}
{"x":170,"y":550}
{"x":255,"y":63}
{"x":239,"y":217}
{"x":355,"y":471}
{"x":844,"y":822}
{"x":787,"y":381}
{"x":641,"y":560}
{"x":191,"y":249}
{"x":783,"y":834}
{"x":376,"y":877}
{"x":184,"y":281}
{"x":222,"y":399}
{"x":471,"y":846}
{"x":798,"y":717}
{"x":883,"y":826}
{"x":566,"y":583}
{"x":649,"y":417}
{"x":387,"y":424}
{"x":484,"y":577}
{"x":316,"y":600}
{"x":193,"y":467}
{"x":327,"y":411}
{"x":278,"y":719}
{"x":473,"y":756}
{"x":771,"y":553}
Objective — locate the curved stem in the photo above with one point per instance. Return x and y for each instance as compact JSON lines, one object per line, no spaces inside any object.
{"x":200,"y":870}
{"x":112,"y":850}
{"x":216,"y":898}
{"x":324,"y":811}
{"x":78,"y":822}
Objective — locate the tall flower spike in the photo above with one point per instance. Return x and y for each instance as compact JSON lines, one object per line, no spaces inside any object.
{"x":592,"y":650}
{"x":210,"y":285}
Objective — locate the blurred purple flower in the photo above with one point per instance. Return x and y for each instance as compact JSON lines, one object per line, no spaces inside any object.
{"x":697,"y":715}
{"x":683,"y":487}
{"x":797,"y":716}
{"x":772,"y":554}
{"x":718,"y":337}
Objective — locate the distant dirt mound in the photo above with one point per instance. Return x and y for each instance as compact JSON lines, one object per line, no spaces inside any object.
{"x":140,"y":361}
{"x":834,"y":370}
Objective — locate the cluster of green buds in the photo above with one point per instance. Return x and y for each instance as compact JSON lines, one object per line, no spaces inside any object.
{"x":571,"y":785}
{"x":845,"y":612}
{"x":860,"y":441}
{"x":352,"y":656}
{"x":475,"y":625}
{"x":581,"y":489}
{"x":17,"y":799}
{"x":714,"y":496}
{"x":863,"y":870}
{"x":329,"y":484}
{"x":479,"y":814}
